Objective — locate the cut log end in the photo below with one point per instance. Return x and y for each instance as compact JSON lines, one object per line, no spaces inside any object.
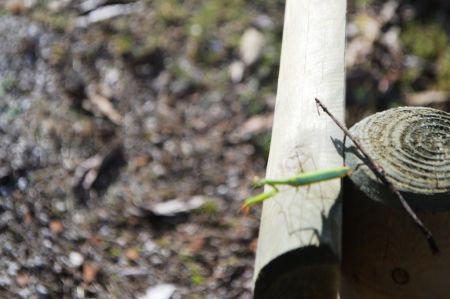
{"x":412,"y":145}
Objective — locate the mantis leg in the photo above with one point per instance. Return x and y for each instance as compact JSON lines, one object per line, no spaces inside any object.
{"x":308,"y":178}
{"x":258,"y":199}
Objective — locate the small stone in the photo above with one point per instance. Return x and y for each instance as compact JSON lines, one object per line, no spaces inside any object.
{"x":236,"y":71}
{"x":150,"y":246}
{"x":161,"y":291}
{"x":251,"y":45}
{"x":80,"y":292}
{"x":47,"y":243}
{"x":60,"y":206}
{"x":42,"y":291}
{"x":35,"y":261}
{"x":15,"y":7}
{"x":76,"y":259}
{"x":42,"y":217}
{"x":5,"y":281}
{"x":12,"y":268}
{"x":22,"y":183}
{"x":24,"y":293}
{"x":264,"y":22}
{"x":222,"y":189}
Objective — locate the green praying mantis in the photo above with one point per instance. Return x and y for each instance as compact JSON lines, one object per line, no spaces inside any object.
{"x":339,"y":172}
{"x":302,"y":179}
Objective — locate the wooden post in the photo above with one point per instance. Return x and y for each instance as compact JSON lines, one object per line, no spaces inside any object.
{"x":384,"y":253}
{"x":299,"y":241}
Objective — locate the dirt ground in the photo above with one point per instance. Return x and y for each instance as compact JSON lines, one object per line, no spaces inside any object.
{"x":131,"y":130}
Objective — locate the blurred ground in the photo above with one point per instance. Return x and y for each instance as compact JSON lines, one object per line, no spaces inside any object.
{"x":130,"y":131}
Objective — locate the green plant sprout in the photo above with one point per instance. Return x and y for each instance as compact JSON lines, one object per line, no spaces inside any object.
{"x":302,"y":179}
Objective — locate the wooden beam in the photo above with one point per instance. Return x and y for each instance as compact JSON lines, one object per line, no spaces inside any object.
{"x":299,"y":241}
{"x":385,"y":255}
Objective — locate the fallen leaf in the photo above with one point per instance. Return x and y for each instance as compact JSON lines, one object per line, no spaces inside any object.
{"x":369,"y":27}
{"x":253,"y":245}
{"x":132,"y":254}
{"x":89,"y":272}
{"x":17,"y":194}
{"x":174,"y":207}
{"x":107,"y":12}
{"x":22,"y":279}
{"x":89,"y":5}
{"x":95,"y":241}
{"x":56,"y":226}
{"x":140,"y":161}
{"x":103,"y":104}
{"x":28,"y":217}
{"x":427,"y":97}
{"x":357,"y":51}
{"x":196,"y":244}
{"x":88,"y":171}
{"x":388,"y":11}
{"x":15,"y":7}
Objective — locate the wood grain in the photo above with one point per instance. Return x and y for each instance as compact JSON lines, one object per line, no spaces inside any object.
{"x":305,"y":223}
{"x":412,"y":144}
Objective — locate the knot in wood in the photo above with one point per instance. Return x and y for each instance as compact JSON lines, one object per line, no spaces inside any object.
{"x":412,"y":145}
{"x":400,"y":276}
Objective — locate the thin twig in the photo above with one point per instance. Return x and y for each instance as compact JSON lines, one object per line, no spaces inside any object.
{"x":381,"y":174}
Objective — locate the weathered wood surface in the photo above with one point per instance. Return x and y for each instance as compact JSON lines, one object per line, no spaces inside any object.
{"x":299,"y":242}
{"x":384,"y":253}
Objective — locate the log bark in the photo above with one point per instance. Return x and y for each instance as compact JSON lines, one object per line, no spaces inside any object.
{"x":300,"y":235}
{"x":384,"y":253}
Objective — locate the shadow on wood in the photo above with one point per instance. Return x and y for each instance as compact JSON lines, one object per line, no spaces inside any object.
{"x":308,"y":272}
{"x":300,"y":274}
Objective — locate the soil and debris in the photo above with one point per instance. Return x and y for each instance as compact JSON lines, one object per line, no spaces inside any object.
{"x":130,"y":131}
